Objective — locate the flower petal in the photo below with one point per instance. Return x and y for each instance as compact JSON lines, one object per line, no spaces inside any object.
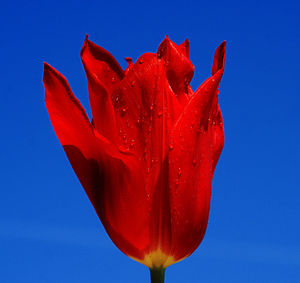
{"x":219,"y":59}
{"x":106,"y":174}
{"x":68,"y":117}
{"x":197,"y":141}
{"x":103,"y":74}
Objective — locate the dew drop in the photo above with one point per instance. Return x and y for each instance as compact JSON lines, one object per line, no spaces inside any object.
{"x":122,"y":149}
{"x":179,"y":172}
{"x":194,"y":162}
{"x":132,"y":143}
{"x":132,"y":83}
{"x":186,"y":81}
{"x":141,"y":61}
{"x":113,"y":80}
{"x":124,"y":109}
{"x":171,"y":147}
{"x":159,"y":113}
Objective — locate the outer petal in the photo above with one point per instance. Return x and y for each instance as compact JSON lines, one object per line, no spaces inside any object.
{"x":103,"y":73}
{"x":107,"y":175}
{"x":197,"y":141}
{"x":69,"y":119}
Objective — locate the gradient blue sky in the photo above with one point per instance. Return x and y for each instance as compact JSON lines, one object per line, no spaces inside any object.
{"x":49,"y":231}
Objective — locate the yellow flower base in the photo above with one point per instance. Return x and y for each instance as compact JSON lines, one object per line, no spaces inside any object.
{"x":157,"y":259}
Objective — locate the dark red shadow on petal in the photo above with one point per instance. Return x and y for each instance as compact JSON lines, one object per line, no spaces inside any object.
{"x":219,"y":58}
{"x":90,"y":175}
{"x":94,"y":178}
{"x":101,"y":54}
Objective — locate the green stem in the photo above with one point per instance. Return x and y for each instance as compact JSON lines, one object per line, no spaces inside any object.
{"x":157,"y":275}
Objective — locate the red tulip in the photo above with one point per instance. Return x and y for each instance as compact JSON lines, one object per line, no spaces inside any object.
{"x":146,"y":161}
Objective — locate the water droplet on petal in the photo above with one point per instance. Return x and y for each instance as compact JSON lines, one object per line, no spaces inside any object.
{"x":132,"y":83}
{"x":186,"y":81}
{"x":113,"y":80}
{"x":122,"y":149}
{"x":171,"y":146}
{"x":132,"y":143}
{"x":194,"y":162}
{"x":179,"y":172}
{"x":159,"y":113}
{"x":141,"y":61}
{"x":124,"y":109}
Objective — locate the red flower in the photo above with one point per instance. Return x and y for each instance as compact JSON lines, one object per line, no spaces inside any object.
{"x":146,"y":160}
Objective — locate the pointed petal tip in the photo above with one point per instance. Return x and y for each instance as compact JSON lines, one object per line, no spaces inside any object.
{"x":219,"y":58}
{"x":165,"y":41}
{"x":46,"y":65}
{"x":48,"y":69}
{"x":185,"y":47}
{"x":164,"y":45}
{"x":85,"y":43}
{"x":90,"y":51}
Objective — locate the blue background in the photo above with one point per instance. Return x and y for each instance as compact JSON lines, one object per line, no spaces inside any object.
{"x":49,"y":231}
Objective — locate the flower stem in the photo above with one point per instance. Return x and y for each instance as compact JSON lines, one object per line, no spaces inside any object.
{"x":157,"y":275}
